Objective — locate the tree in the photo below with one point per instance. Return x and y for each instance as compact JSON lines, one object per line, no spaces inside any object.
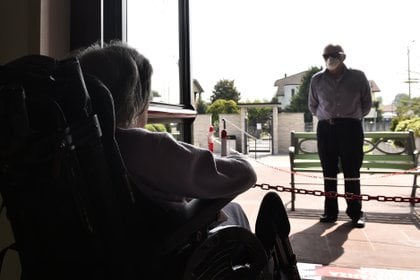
{"x":299,"y":102}
{"x":398,"y":98}
{"x":201,"y":106}
{"x":222,"y":106}
{"x":407,"y":108}
{"x":259,"y":115}
{"x":155,"y":94}
{"x":274,"y":100}
{"x":225,"y":89}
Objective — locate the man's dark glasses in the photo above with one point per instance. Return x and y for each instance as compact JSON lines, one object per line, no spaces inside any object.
{"x":333,"y":55}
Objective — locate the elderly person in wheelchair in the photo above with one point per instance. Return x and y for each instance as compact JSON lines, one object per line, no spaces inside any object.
{"x":172,"y":218}
{"x":167,"y":171}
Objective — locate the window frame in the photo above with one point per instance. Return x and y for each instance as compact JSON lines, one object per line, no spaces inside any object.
{"x":105,"y":20}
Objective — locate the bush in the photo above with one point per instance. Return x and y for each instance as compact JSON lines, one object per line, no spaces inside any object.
{"x":156,"y":127}
{"x":409,"y":124}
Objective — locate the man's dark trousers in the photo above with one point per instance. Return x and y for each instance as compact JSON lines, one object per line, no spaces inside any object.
{"x":341,"y":140}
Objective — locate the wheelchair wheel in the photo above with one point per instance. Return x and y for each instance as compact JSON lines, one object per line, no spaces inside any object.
{"x":230,"y":253}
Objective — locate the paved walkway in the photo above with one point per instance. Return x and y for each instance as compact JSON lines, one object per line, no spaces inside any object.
{"x":387,"y":248}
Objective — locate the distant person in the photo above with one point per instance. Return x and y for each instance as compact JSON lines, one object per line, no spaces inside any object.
{"x":340,"y":97}
{"x":165,"y":170}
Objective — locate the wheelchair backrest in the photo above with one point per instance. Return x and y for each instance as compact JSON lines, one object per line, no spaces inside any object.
{"x":62,"y":180}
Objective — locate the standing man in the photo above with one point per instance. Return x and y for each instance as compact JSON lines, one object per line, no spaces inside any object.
{"x":340,"y":97}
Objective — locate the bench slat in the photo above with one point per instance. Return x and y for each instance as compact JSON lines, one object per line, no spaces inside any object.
{"x":387,"y":165}
{"x":306,"y":157}
{"x":388,"y":157}
{"x":387,"y":134}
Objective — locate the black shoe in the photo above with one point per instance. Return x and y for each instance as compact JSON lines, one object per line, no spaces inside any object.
{"x":360,"y":222}
{"x":327,"y":218}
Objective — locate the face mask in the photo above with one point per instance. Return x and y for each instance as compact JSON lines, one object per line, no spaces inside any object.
{"x":332,"y":63}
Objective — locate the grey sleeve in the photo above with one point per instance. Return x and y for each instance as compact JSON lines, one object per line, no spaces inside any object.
{"x":366,"y":96}
{"x":312,"y":99}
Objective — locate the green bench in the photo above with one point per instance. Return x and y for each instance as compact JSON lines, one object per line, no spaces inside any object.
{"x":385,"y":152}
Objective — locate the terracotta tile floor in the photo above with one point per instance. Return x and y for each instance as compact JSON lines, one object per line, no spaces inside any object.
{"x":387,"y":248}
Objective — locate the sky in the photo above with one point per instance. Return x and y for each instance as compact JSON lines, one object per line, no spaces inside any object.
{"x":256,"y":42}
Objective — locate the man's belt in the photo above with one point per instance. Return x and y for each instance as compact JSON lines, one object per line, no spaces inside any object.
{"x":333,"y":121}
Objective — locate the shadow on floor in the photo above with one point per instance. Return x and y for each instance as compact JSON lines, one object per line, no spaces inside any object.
{"x":411,"y":218}
{"x":316,"y":244}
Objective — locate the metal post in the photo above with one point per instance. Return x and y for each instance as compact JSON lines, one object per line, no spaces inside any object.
{"x":223,"y":136}
{"x":408,"y":68}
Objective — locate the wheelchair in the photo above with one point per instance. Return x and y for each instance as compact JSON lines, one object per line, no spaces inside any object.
{"x":74,"y":212}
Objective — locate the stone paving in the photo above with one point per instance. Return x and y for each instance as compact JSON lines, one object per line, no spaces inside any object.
{"x":387,"y":248}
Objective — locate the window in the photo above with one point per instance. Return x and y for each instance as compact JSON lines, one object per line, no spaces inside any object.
{"x":152,"y":28}
{"x":159,"y":29}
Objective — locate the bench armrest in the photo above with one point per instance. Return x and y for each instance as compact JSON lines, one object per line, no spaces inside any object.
{"x":291,"y":150}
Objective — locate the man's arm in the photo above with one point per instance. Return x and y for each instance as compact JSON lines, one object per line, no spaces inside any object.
{"x":366,"y":96}
{"x":312,"y":99}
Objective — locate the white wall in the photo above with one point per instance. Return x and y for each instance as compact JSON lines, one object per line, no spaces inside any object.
{"x":201,"y":127}
{"x":286,"y":100}
{"x":28,"y":26}
{"x":287,"y":123}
